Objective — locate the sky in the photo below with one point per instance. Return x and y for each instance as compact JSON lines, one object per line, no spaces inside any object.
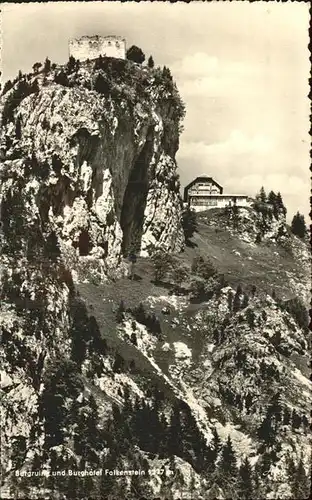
{"x":242,"y":70}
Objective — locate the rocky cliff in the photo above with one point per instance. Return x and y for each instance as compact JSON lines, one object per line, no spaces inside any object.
{"x":93,"y":146}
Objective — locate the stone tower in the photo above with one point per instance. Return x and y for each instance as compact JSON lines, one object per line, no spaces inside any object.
{"x":91,"y":47}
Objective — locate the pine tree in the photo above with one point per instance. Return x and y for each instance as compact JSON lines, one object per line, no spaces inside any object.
{"x":280,"y":204}
{"x":135,"y":54}
{"x":245,"y":301}
{"x":134,"y":339}
{"x":108,"y":483}
{"x":237,"y":299}
{"x":18,"y":128}
{"x":175,"y":433}
{"x":272,"y":198}
{"x":150,"y":62}
{"x":286,"y":416}
{"x":262,"y":195}
{"x":189,"y":223}
{"x":298,"y":226}
{"x":120,"y":312}
{"x":300,"y":483}
{"x":162,"y":262}
{"x":118,"y":365}
{"x":266,"y":431}
{"x":47,"y":65}
{"x":71,"y":65}
{"x":245,"y":480}
{"x":228,"y":463}
{"x":52,"y":249}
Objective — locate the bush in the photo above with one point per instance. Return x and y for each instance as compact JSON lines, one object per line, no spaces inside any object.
{"x":7,"y":86}
{"x":102,"y":85}
{"x":180,"y":275}
{"x":163,"y":263}
{"x":250,"y":316}
{"x":62,"y":79}
{"x":299,"y":312}
{"x":22,"y":90}
{"x":203,"y":267}
{"x":37,"y":66}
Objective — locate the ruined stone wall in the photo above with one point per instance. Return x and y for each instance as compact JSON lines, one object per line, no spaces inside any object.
{"x":91,"y":47}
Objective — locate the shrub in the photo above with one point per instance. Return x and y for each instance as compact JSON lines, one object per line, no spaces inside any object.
{"x":119,"y":364}
{"x":250,"y":316}
{"x":62,"y":79}
{"x":180,"y":274}
{"x":102,"y":85}
{"x":203,"y":267}
{"x":163,"y":263}
{"x":201,"y":289}
{"x":7,"y":86}
{"x":298,"y":311}
{"x":22,"y":90}
{"x":37,"y":66}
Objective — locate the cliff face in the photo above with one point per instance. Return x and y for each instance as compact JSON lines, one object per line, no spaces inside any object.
{"x":93,"y":164}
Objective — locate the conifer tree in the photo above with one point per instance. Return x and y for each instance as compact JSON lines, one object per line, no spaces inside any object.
{"x":228,"y":463}
{"x":237,"y":299}
{"x":245,"y":480}
{"x":135,"y":54}
{"x":262,"y":195}
{"x":47,"y":65}
{"x":189,"y":223}
{"x":300,"y":483}
{"x":298,"y":226}
{"x":150,"y":62}
{"x":245,"y":301}
{"x":120,"y":312}
{"x":266,"y":431}
{"x":18,"y":128}
{"x":175,"y":433}
{"x":272,"y":198}
{"x":118,"y":365}
{"x":134,"y":339}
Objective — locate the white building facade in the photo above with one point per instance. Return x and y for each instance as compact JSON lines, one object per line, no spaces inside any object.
{"x":204,"y":193}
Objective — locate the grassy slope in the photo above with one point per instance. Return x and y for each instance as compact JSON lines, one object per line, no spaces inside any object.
{"x":267,"y":266}
{"x":241,"y":262}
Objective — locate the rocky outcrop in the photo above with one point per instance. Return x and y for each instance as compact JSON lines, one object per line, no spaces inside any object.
{"x":99,"y":169}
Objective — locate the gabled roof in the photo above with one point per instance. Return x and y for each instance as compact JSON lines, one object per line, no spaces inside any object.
{"x":201,"y":178}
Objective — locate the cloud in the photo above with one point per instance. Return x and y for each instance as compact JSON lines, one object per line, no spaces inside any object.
{"x":238,"y":144}
{"x":201,"y":74}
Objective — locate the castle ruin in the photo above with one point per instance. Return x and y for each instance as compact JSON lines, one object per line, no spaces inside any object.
{"x":92,"y":47}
